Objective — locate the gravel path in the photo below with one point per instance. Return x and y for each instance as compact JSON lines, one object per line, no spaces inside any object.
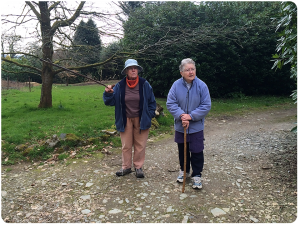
{"x":250,"y":175}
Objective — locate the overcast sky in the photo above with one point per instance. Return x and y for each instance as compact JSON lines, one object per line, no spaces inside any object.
{"x":16,"y":7}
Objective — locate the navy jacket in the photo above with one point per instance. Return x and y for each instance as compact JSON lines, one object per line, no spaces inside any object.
{"x":117,"y":99}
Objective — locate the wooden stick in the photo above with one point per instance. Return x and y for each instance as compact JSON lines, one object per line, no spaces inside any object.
{"x":184,"y":165}
{"x":78,"y":74}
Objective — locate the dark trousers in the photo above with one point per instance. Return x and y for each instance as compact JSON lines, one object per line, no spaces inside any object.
{"x":196,"y":159}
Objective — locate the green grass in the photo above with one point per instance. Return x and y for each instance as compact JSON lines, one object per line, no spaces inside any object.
{"x":240,"y":106}
{"x":76,"y":109}
{"x":80,"y":110}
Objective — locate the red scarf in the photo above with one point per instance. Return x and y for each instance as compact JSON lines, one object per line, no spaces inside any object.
{"x":132,"y":83}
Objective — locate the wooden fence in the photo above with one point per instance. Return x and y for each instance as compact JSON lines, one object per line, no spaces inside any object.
{"x":10,"y":84}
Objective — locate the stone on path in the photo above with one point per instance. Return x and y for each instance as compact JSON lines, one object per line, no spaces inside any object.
{"x":85,"y":197}
{"x":217,"y":212}
{"x":183,"y":196}
{"x":114,"y":211}
{"x":85,"y":211}
{"x":88,"y":184}
{"x":239,"y":168}
{"x":169,"y":209}
{"x":253,"y":219}
{"x":185,"y":219}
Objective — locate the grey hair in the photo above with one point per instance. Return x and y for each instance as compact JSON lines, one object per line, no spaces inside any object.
{"x":184,"y":62}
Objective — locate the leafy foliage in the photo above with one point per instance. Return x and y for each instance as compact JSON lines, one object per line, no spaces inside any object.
{"x":16,"y":73}
{"x":87,"y":45}
{"x":287,"y":44}
{"x":129,"y":7}
{"x":112,"y":69}
{"x":231,"y":43}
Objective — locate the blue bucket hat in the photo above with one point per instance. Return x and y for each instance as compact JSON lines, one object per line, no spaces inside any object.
{"x":131,"y":62}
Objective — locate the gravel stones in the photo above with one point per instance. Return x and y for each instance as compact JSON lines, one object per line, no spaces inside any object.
{"x":85,"y":211}
{"x":183,"y":196}
{"x":3,"y":193}
{"x":88,"y":184}
{"x":115,"y":211}
{"x":217,"y":212}
{"x":86,"y":197}
{"x":237,"y":186}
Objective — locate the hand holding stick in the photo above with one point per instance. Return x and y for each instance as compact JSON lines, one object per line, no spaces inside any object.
{"x":109,"y":89}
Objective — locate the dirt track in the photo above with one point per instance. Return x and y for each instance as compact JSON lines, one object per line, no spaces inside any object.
{"x":250,"y":175}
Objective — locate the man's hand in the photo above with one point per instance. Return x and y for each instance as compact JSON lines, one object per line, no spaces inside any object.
{"x":109,"y":89}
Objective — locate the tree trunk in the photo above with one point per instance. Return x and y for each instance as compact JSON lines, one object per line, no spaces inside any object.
{"x":47,"y":70}
{"x":46,"y":91}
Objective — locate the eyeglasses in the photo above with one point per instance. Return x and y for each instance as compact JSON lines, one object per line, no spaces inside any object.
{"x":191,"y":69}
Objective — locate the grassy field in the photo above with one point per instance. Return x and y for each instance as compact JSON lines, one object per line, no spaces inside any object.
{"x":80,"y":110}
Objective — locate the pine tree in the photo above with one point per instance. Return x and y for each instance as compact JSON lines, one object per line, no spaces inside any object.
{"x":87,"y":42}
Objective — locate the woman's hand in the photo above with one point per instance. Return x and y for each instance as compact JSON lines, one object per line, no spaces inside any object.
{"x":185,"y":117}
{"x":109,"y":89}
{"x":185,"y":120}
{"x":185,"y":123}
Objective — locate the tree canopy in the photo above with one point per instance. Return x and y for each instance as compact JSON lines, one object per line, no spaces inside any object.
{"x":231,"y":42}
{"x":86,"y":46}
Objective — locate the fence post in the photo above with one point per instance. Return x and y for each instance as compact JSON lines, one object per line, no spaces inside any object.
{"x":29,"y":84}
{"x":7,"y":83}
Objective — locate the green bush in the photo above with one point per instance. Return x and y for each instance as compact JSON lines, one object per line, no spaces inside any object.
{"x":236,"y":60}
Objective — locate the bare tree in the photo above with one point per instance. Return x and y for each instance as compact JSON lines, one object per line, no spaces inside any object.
{"x":12,"y":40}
{"x":55,"y":22}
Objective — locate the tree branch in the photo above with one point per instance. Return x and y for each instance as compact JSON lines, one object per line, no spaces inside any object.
{"x":67,"y":22}
{"x":21,"y":65}
{"x":20,"y":72}
{"x":54,"y":5}
{"x":37,"y":14}
{"x":21,"y":53}
{"x":114,"y":56}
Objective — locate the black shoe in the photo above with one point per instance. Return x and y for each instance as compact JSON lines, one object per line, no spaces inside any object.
{"x":139,"y":173}
{"x":123,"y":172}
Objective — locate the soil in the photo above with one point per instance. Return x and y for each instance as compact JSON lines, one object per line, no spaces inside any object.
{"x":250,"y":175}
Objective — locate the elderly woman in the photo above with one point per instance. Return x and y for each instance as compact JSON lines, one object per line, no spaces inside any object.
{"x":135,"y":106}
{"x":189,"y":102}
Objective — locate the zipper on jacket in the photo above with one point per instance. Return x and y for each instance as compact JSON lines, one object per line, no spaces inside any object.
{"x":187,"y":107}
{"x":121,"y":111}
{"x":143,"y":109}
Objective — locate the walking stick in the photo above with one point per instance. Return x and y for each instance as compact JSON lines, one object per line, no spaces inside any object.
{"x":78,"y":74}
{"x":184,"y":173}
